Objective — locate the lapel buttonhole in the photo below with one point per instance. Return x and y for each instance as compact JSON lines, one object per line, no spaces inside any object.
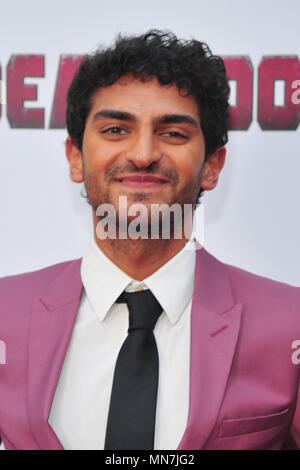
{"x":218,"y":331}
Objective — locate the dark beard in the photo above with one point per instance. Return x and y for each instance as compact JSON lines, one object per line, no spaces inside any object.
{"x":187,"y":196}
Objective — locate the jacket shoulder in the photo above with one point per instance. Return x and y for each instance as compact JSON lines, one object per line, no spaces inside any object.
{"x":258,"y":289}
{"x":26,"y":285}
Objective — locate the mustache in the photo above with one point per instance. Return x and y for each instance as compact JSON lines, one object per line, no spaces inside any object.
{"x":153,"y":169}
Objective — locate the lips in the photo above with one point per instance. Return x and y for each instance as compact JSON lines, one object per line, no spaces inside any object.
{"x":142,"y":180}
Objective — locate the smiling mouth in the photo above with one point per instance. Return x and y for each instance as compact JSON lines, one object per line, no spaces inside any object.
{"x":142,"y":181}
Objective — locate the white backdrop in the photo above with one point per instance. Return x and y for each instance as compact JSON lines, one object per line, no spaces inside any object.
{"x":251,"y":218}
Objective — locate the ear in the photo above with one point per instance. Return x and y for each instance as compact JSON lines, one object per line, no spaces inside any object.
{"x":212,"y":168}
{"x":74,"y":157}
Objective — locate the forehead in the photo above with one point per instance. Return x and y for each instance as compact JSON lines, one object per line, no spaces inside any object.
{"x":143,"y":98}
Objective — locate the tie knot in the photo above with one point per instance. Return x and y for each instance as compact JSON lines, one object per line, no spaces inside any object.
{"x":144,"y":309}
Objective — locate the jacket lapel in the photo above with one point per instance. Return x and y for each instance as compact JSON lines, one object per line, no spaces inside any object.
{"x":52,"y":321}
{"x":215,"y":322}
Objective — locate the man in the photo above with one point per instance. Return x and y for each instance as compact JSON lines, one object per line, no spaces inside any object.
{"x":143,"y":343}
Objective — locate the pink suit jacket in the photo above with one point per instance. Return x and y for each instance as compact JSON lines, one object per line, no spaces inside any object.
{"x":243,"y":381}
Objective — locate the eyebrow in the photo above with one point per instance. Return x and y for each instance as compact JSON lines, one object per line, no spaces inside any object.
{"x":178,"y":119}
{"x":111,"y":114}
{"x":165,"y":119}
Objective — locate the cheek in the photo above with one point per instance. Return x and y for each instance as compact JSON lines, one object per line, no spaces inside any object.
{"x":97,"y":155}
{"x":189,"y":165}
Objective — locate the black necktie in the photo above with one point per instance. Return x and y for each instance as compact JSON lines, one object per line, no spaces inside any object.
{"x":131,"y":417}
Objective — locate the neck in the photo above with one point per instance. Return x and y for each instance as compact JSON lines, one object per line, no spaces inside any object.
{"x":142,"y":257}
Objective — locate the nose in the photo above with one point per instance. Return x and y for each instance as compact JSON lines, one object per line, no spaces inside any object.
{"x":144,"y":149}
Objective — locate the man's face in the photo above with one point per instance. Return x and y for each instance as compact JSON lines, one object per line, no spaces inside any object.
{"x":141,"y":140}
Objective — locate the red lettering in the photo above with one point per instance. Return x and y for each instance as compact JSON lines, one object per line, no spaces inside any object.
{"x":241,"y":70}
{"x":19,"y":67}
{"x":271,"y":117}
{"x":67,"y":69}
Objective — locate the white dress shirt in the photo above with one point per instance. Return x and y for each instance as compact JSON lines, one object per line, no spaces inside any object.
{"x":80,"y":406}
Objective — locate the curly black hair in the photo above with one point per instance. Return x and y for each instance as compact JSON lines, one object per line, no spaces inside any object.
{"x":189,"y":65}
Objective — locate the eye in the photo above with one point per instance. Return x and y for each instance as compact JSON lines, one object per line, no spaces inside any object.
{"x":113,"y":130}
{"x":175,"y":134}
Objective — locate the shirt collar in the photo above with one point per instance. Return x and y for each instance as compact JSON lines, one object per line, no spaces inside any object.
{"x":172,"y":284}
